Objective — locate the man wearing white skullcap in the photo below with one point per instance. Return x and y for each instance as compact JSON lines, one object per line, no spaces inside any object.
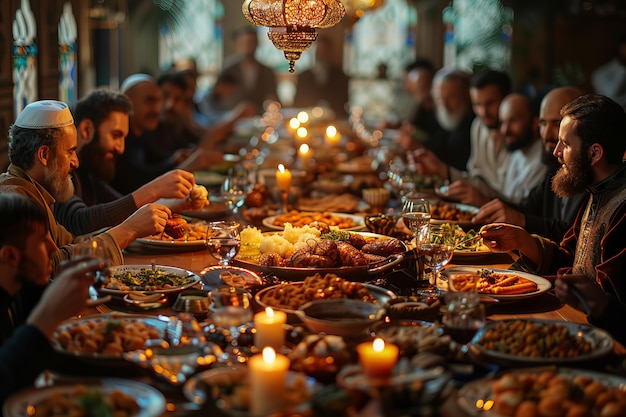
{"x":42,"y":151}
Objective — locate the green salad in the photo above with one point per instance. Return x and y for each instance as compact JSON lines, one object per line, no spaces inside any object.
{"x":460,"y":239}
{"x":146,"y":279}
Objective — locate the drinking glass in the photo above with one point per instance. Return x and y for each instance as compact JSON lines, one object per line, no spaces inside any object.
{"x":464,"y":318}
{"x":416,"y":216}
{"x":235,"y":187}
{"x":230,"y":309}
{"x":223,"y":240}
{"x":91,"y":248}
{"x":437,"y":251}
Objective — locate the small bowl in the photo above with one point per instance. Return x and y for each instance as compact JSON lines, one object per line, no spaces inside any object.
{"x":192,"y":301}
{"x":377,"y":198}
{"x":381,"y":224}
{"x":341,"y":317}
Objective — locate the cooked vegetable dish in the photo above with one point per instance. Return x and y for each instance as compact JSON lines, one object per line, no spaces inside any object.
{"x":146,"y":279}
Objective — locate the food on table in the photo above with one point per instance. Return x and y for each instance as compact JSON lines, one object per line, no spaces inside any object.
{"x":534,"y":340}
{"x":198,"y":197}
{"x":320,"y":356}
{"x":111,"y":336}
{"x":146,"y":279}
{"x":445,"y":211}
{"x":195,"y":231}
{"x":341,"y":203}
{"x":257,"y":196}
{"x":461,"y":240}
{"x":316,"y":287}
{"x":307,"y":246}
{"x":550,"y":393}
{"x":83,"y":401}
{"x":301,"y":218}
{"x":415,"y":337}
{"x":176,"y":227}
{"x":413,"y":307}
{"x":490,"y":282}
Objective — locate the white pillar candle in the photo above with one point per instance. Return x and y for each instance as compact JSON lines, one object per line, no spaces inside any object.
{"x":268,"y":373}
{"x":270,"y":328}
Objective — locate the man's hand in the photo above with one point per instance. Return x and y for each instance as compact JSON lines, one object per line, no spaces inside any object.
{"x":495,"y":211}
{"x":466,"y":193}
{"x":173,"y":184}
{"x":587,"y":287}
{"x":148,"y":220}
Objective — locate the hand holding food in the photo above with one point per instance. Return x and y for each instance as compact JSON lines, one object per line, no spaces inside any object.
{"x":198,"y":197}
{"x":176,"y":226}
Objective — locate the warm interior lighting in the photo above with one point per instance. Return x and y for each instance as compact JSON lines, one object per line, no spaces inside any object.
{"x":292,"y":23}
{"x":355,"y":9}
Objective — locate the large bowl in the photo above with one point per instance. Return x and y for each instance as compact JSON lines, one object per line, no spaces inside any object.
{"x":341,"y":317}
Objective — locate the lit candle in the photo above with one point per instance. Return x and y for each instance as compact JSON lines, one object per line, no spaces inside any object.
{"x":302,"y":132}
{"x":268,"y":372}
{"x":270,"y":328}
{"x":294,"y":123}
{"x":304,"y":152}
{"x":377,"y":359}
{"x":283,"y":178}
{"x":303,"y":117}
{"x":332,"y":136}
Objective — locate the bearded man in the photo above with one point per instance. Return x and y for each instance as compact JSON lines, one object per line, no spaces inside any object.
{"x":101,"y":120}
{"x":42,"y":151}
{"x":592,"y":253}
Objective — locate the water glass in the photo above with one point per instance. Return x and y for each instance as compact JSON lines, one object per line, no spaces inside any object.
{"x":416,"y":216}
{"x":223,"y":240}
{"x":230,"y":309}
{"x":235,"y":187}
{"x":437,"y":251}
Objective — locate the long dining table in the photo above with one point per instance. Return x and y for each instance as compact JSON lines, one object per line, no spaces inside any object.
{"x":545,"y":306}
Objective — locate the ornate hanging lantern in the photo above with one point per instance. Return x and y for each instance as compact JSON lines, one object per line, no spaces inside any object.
{"x":355,"y":9}
{"x":292,"y":23}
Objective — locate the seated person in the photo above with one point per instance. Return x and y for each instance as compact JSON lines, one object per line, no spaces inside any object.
{"x":101,"y":120}
{"x":590,"y":151}
{"x":26,"y":250}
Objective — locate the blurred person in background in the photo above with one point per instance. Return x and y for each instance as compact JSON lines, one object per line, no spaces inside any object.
{"x":143,"y":160}
{"x":255,"y":82}
{"x":486,"y":166}
{"x":26,"y":251}
{"x":542,"y":212}
{"x":610,"y":78}
{"x":324,"y":84}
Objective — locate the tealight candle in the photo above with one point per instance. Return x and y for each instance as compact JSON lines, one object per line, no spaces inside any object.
{"x":378,"y":358}
{"x":268,"y":372}
{"x":270,"y":328}
{"x":283,"y":178}
{"x":332,"y":136}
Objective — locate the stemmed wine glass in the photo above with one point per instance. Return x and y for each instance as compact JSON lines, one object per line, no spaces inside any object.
{"x":223,"y":240}
{"x":91,"y":248}
{"x":416,"y":216}
{"x":437,"y":251}
{"x":464,"y":318}
{"x":235,"y":187}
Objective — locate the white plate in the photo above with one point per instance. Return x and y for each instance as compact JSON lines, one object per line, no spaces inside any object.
{"x":214,"y":276}
{"x":602,"y":343}
{"x":150,"y":400}
{"x":543,"y":284}
{"x":359,"y":223}
{"x":164,"y":243}
{"x":193,"y":278}
{"x":92,"y":320}
{"x":479,"y":391}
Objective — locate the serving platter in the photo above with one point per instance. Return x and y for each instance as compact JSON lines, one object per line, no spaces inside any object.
{"x":473,"y":396}
{"x":543,"y":284}
{"x":358,"y":222}
{"x":151,"y":402}
{"x":191,"y":279}
{"x":93,"y":321}
{"x":601,"y":344}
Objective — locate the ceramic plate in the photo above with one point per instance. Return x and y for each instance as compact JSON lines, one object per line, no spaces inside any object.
{"x":92,"y":321}
{"x":232,"y":276}
{"x":478,"y":392}
{"x":193,"y":241}
{"x":543,"y":284}
{"x":602,"y":344}
{"x":151,"y":401}
{"x":190,"y":278}
{"x":465,"y":224}
{"x":358,"y":222}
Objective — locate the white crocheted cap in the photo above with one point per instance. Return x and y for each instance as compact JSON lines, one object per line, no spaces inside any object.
{"x":45,"y":114}
{"x":133,"y":80}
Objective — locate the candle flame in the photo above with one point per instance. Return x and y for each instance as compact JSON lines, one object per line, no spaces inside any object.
{"x":303,"y":117}
{"x":304,"y":149}
{"x":379,"y":345}
{"x":281,"y":168}
{"x":331,"y":131}
{"x":302,"y":132}
{"x":269,"y":311}
{"x":269,"y":355}
{"x":294,"y":123}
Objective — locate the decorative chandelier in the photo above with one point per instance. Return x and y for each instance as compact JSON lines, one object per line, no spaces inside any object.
{"x":292,"y":23}
{"x":355,"y":9}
